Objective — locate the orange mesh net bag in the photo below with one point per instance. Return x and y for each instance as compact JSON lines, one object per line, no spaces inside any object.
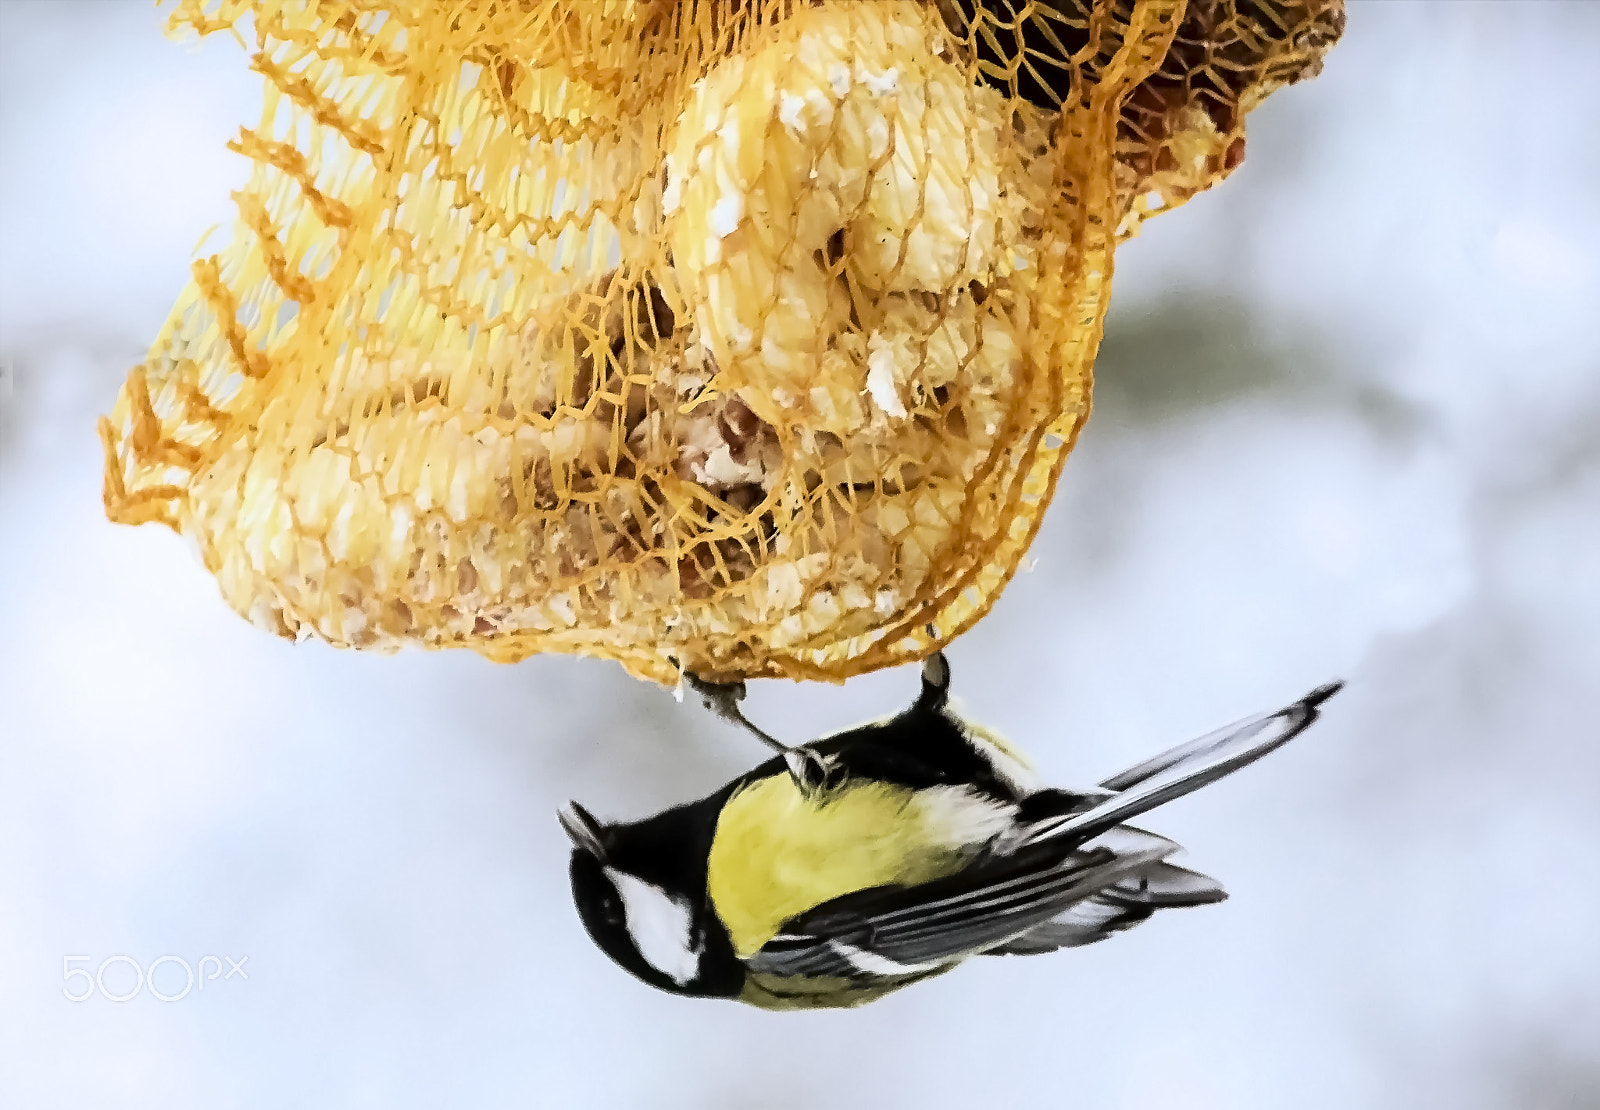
{"x":747,"y":336}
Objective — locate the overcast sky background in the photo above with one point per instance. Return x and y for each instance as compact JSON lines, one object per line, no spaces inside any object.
{"x":1346,"y":426}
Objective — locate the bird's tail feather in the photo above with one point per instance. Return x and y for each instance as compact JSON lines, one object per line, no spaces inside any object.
{"x":1186,"y":768}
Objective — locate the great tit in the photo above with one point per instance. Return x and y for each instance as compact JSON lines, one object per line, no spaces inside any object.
{"x":845,"y":868}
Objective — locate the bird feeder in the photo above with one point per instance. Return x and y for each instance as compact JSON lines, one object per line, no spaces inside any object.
{"x":742,"y":336}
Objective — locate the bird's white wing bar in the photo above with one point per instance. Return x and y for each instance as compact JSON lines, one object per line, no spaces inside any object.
{"x":1186,"y":768}
{"x":874,"y":964}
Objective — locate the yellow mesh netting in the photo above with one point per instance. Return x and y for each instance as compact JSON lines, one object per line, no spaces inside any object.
{"x":746,"y":333}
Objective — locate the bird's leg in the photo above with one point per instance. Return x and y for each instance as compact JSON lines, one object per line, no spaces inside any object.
{"x":723,"y":699}
{"x":935,"y":682}
{"x":811,"y":771}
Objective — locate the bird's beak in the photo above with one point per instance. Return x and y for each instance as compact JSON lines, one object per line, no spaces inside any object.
{"x":585,"y":831}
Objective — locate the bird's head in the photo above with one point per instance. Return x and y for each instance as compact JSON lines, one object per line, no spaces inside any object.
{"x":650,"y":921}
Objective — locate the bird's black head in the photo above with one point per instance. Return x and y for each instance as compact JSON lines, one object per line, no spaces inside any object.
{"x":643,"y":902}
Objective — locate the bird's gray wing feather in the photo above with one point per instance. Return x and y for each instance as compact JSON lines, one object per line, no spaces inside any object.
{"x":1117,"y":909}
{"x":908,"y":930}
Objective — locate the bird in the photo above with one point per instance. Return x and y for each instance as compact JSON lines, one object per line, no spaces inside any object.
{"x":856,"y":864}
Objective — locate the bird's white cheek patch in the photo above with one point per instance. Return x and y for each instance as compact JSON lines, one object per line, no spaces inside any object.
{"x":660,"y":926}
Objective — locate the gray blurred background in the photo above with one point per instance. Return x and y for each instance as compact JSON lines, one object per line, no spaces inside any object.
{"x":1348,"y":424}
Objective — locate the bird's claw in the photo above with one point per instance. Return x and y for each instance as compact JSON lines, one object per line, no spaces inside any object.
{"x":722,"y":698}
{"x":811,"y":771}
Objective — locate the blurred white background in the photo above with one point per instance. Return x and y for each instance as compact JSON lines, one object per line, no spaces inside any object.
{"x":1348,"y":424}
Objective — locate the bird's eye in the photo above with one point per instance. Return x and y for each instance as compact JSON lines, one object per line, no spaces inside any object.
{"x":611,"y":909}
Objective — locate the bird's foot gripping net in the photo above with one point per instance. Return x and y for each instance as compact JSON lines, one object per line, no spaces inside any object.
{"x":746,"y":333}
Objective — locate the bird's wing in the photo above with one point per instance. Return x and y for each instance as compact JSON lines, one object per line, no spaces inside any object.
{"x":1116,"y":909}
{"x":1036,"y":874}
{"x":1186,"y":768}
{"x":910,"y":930}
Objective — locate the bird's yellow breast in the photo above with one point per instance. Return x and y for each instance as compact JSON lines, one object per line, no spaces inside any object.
{"x":778,"y":853}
